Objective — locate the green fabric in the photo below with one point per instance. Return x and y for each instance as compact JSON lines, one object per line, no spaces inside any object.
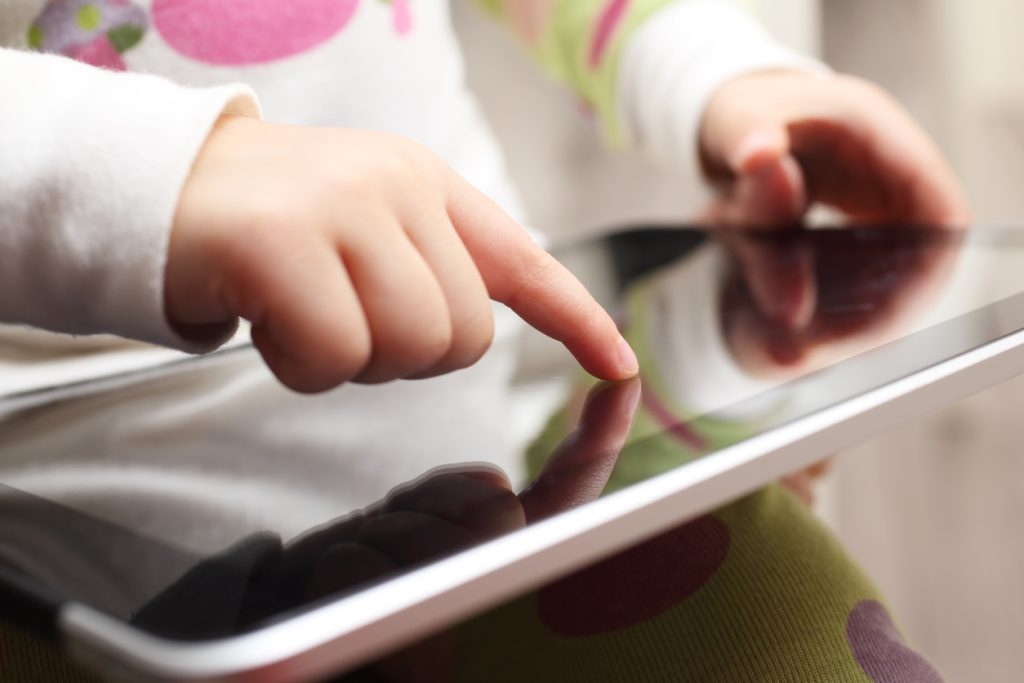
{"x":88,"y":17}
{"x":775,"y":610}
{"x":35,"y":37}
{"x":565,"y":49}
{"x":125,"y":37}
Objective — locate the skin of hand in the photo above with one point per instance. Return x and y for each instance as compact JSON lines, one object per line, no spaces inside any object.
{"x":779,"y":142}
{"x":360,"y":256}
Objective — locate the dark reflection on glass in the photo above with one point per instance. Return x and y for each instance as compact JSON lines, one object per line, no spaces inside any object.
{"x":787,"y":306}
{"x":64,"y":554}
{"x":441,"y":513}
{"x":800,"y":300}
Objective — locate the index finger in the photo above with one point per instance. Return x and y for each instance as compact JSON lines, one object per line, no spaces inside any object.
{"x":524,"y":277}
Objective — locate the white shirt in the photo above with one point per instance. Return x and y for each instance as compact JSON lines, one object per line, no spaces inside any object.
{"x":91,"y":165}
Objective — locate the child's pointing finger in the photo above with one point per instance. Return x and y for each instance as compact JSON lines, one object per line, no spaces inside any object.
{"x":531,"y":282}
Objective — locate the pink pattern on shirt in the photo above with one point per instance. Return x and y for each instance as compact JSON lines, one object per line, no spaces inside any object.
{"x":238,"y":32}
{"x":610,"y":19}
{"x":403,"y":17}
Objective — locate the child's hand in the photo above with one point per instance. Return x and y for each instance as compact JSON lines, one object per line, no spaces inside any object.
{"x":784,"y":140}
{"x":360,"y":256}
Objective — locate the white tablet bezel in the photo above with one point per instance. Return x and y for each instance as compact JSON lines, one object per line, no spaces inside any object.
{"x":356,"y":629}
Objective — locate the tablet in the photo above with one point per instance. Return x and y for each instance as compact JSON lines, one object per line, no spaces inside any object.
{"x":760,"y":353}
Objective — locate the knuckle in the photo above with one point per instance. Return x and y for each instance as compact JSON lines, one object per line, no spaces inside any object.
{"x":298,"y":377}
{"x":304,"y":382}
{"x":402,"y":163}
{"x":352,"y":186}
{"x":390,"y":171}
{"x":344,"y":357}
{"x":267,"y":221}
{"x":470,"y":341}
{"x":348,"y":358}
{"x":413,"y":354}
{"x":322,"y":369}
{"x":248,"y":255}
{"x":288,"y":377}
{"x":393,"y":169}
{"x":433,"y":344}
{"x":414,"y":154}
{"x":477,"y":339}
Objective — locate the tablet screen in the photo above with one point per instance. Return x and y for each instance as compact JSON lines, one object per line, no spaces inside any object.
{"x":737,"y":336}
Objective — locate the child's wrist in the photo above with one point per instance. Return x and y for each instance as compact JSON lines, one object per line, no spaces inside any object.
{"x":676,"y":61}
{"x":194,"y":305}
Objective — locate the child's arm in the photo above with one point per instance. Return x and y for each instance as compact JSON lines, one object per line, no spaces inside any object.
{"x":783,"y":141}
{"x":357,"y":256}
{"x":699,"y":83}
{"x":91,"y":163}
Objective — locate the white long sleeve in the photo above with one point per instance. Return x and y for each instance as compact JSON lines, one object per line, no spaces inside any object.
{"x":91,"y":166}
{"x":674,"y":63}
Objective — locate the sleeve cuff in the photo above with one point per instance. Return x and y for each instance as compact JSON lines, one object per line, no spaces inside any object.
{"x":674,"y":63}
{"x":97,"y":161}
{"x":166,"y":128}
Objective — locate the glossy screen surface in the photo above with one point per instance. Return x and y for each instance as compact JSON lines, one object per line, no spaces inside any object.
{"x":736,"y":336}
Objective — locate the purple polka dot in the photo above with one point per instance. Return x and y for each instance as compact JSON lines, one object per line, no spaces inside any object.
{"x":879,"y":649}
{"x":638,"y":584}
{"x":57,"y":28}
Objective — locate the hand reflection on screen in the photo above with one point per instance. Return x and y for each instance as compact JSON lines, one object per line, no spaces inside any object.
{"x":461,"y":506}
{"x":799,"y":300}
{"x":456,"y":508}
{"x":441,"y":513}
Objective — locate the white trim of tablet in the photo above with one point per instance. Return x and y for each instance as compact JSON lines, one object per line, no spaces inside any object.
{"x":357,"y":629}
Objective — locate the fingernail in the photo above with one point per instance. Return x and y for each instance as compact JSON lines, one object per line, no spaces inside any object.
{"x":628,"y":362}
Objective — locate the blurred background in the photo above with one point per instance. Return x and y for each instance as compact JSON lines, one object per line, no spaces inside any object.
{"x":932,"y":510}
